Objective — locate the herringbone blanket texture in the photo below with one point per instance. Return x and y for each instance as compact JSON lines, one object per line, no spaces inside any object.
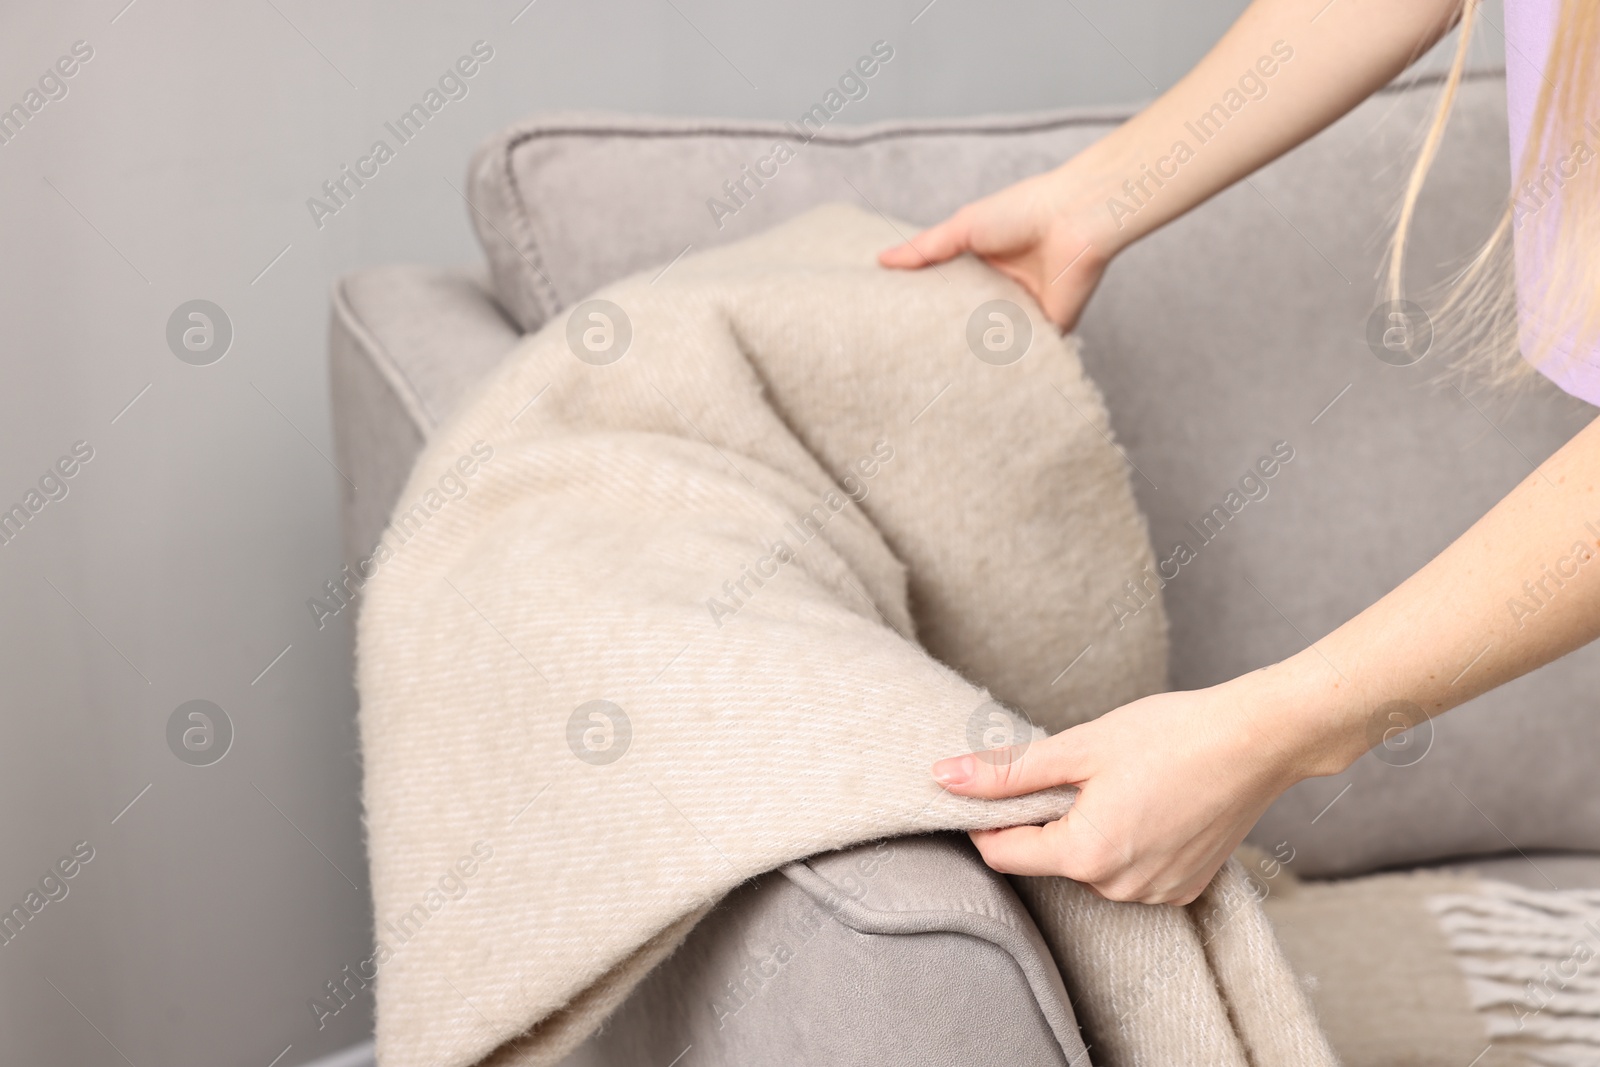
{"x":701,"y":582}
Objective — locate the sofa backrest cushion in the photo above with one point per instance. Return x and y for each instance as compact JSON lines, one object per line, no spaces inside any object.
{"x":1237,"y":334}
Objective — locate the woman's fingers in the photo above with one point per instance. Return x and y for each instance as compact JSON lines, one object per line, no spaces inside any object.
{"x":1018,"y":850}
{"x":1011,"y":772}
{"x":1167,"y":787}
{"x":1072,"y":847}
{"x":934,"y":245}
{"x":1067,"y":848}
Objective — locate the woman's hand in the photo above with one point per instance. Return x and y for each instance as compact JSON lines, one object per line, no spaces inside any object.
{"x":1055,"y":234}
{"x":1169,"y":786}
{"x":1028,"y":232}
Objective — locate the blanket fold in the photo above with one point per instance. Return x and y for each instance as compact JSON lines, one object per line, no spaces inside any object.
{"x":700,"y":583}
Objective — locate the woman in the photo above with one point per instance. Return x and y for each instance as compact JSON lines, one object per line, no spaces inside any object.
{"x":1170,"y":784}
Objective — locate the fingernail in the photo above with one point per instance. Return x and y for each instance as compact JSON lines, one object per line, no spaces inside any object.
{"x":957,"y":770}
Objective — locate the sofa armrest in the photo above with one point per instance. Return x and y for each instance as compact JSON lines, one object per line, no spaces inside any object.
{"x":406,"y":343}
{"x":903,"y":951}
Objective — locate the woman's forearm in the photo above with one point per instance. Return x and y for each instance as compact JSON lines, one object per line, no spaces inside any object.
{"x":1520,"y":588}
{"x":1284,"y":71}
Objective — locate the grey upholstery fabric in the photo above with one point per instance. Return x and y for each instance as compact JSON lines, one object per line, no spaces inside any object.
{"x":405,"y":344}
{"x":889,"y":942}
{"x":908,"y":951}
{"x":1535,"y":870}
{"x":1229,"y":331}
{"x":545,"y":190}
{"x":1223,"y":334}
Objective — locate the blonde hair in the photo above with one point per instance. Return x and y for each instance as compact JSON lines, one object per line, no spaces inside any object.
{"x":1478,"y":315}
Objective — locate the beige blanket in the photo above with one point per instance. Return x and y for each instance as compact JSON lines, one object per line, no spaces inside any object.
{"x":701,"y":582}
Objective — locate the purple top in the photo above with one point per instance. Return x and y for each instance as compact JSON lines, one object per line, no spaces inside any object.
{"x":1530,"y":26}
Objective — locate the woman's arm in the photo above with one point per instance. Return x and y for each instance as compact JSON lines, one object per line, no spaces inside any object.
{"x":1172,"y":783}
{"x":1287,"y":68}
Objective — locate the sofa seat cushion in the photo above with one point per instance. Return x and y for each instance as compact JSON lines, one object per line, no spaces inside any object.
{"x":1387,"y":966}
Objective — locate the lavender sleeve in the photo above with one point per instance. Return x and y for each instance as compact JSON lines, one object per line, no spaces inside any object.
{"x":1530,"y":27}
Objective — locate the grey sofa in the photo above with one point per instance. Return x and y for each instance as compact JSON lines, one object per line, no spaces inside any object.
{"x":1237,"y":328}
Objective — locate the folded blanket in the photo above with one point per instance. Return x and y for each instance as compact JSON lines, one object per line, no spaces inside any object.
{"x":701,"y":582}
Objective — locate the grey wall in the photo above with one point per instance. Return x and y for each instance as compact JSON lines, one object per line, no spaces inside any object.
{"x":178,"y":565}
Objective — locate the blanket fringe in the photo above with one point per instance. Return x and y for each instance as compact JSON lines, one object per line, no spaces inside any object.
{"x":1531,"y":960}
